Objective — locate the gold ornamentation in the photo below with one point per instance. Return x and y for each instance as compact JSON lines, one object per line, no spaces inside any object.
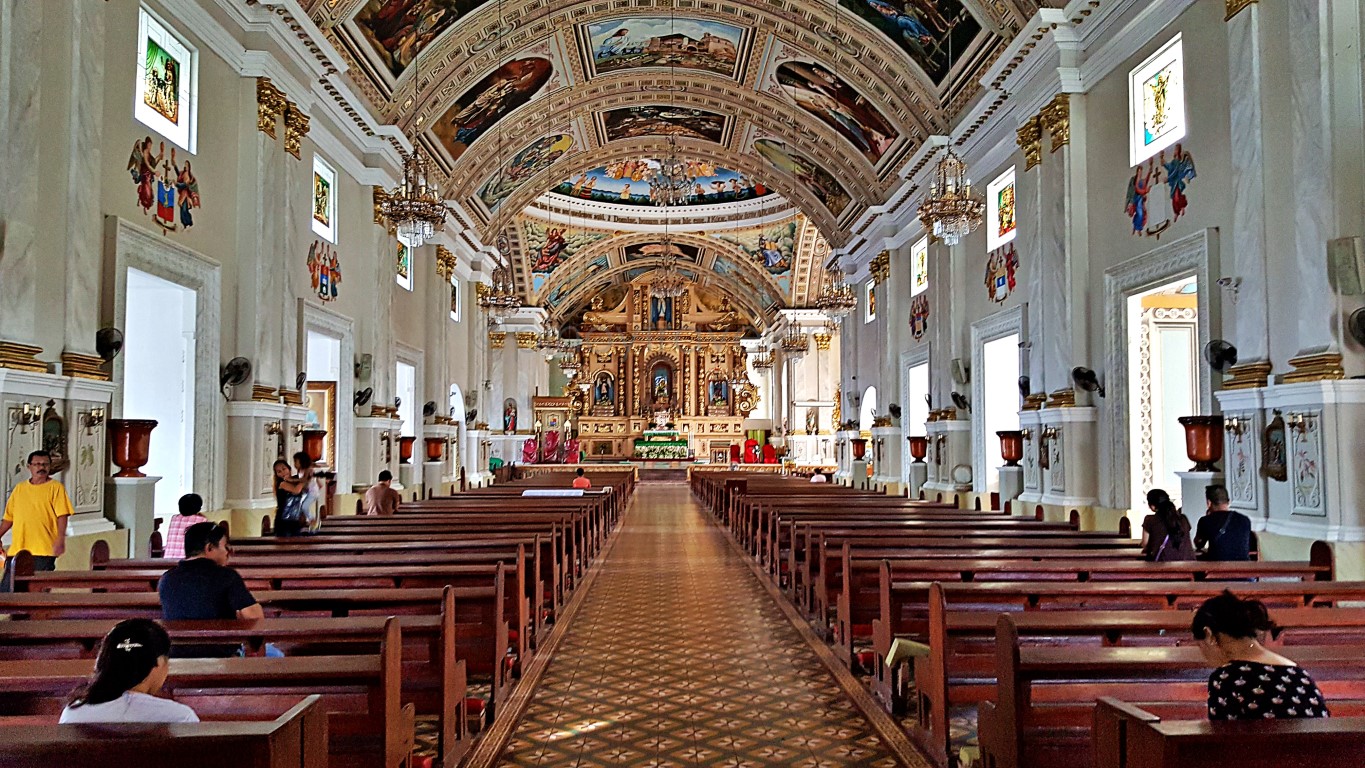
{"x":1035,"y":401}
{"x":21,"y":357}
{"x":264,"y":394}
{"x":295,"y":128}
{"x":270,"y":104}
{"x":1323,"y":366}
{"x":381,"y":196}
{"x":445,"y":262}
{"x":84,"y":366}
{"x":1030,"y":140}
{"x":822,"y":341}
{"x":838,"y":405}
{"x":880,"y":268}
{"x":1062,"y":398}
{"x":1235,"y":7}
{"x":1248,"y":376}
{"x":1056,"y":118}
{"x":526,"y":339}
{"x":496,"y":339}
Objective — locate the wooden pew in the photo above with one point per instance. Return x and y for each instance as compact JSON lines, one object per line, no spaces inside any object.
{"x":433,"y":680}
{"x":481,"y":631}
{"x":367,"y":722}
{"x":1045,"y":697}
{"x":1127,"y":736}
{"x":960,"y":669}
{"x":295,"y":739}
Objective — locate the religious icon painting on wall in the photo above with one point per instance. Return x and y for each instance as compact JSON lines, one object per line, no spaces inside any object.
{"x":826,"y":189}
{"x":161,"y":89}
{"x":1157,"y":114}
{"x":919,"y":316}
{"x":403,"y":265}
{"x":1005,"y":220}
{"x":322,"y":200}
{"x":1000,"y":268}
{"x":663,"y":120}
{"x":166,"y":189}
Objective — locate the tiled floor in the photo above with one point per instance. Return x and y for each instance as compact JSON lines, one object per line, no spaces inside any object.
{"x":679,"y":657}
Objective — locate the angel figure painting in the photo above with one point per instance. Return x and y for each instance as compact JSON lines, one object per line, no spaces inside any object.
{"x":398,"y":30}
{"x":488,"y":101}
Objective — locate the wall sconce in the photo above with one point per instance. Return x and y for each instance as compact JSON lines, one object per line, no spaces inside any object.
{"x":93,"y":418}
{"x":1236,"y":425}
{"x":1026,"y":433}
{"x":298,"y":429}
{"x":1051,"y":433}
{"x":1300,"y":422}
{"x":25,"y":416}
{"x":273,"y":428}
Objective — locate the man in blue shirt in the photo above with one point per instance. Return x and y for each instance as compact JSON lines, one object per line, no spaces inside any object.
{"x":1222,"y":534}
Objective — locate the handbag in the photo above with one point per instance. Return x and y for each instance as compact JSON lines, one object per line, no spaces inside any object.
{"x":293,"y":510}
{"x":1161,"y":549}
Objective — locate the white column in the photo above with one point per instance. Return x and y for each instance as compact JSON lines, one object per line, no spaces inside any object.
{"x":20,"y":23}
{"x":83,"y":224}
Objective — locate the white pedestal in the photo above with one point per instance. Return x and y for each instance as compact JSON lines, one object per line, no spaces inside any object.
{"x":1011,"y":484}
{"x":131,"y":502}
{"x":409,"y":476}
{"x":376,"y":449}
{"x":86,"y":523}
{"x":886,"y":447}
{"x":858,"y":475}
{"x":1192,"y":485}
{"x":917,"y":476}
{"x":1072,"y":479}
{"x":432,"y":472}
{"x":257,"y":435}
{"x":1031,"y":422}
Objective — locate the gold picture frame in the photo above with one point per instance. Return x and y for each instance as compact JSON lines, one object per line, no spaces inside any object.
{"x":320,"y":398}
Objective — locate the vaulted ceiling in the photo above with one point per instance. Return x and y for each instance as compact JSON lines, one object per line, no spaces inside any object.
{"x":803,"y":112}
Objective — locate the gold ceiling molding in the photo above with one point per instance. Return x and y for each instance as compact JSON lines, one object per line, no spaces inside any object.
{"x":1056,"y":118}
{"x":1235,"y":7}
{"x":585,"y":292}
{"x":1030,"y":141}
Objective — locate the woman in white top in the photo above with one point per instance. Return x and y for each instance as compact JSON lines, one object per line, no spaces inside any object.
{"x":129,"y":671}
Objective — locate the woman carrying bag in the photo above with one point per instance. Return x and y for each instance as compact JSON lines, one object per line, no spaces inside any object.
{"x":1165,"y":532}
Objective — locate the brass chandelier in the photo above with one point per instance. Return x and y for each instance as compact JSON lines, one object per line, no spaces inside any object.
{"x":670,"y":283}
{"x":794,"y":342}
{"x":836,"y":297}
{"x":670,"y":183}
{"x":500,"y":300}
{"x":414,"y":207}
{"x":950,"y":211}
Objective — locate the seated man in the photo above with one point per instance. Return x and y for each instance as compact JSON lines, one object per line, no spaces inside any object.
{"x":581,"y":480}
{"x":1223,"y":534}
{"x":381,"y":498}
{"x":203,"y":587}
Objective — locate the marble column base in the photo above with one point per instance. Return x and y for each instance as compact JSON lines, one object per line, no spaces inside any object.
{"x":432,"y":476}
{"x":86,"y":523}
{"x":130,"y":502}
{"x":409,"y":476}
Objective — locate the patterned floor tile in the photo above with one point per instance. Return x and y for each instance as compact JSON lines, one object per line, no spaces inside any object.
{"x":679,"y":658}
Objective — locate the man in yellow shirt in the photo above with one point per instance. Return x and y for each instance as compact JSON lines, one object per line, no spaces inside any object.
{"x":36,"y":511}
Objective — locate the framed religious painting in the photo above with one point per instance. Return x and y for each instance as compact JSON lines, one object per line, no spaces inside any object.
{"x":1001,"y":219}
{"x":324,"y":205}
{"x":1156,"y":110}
{"x":1275,"y":450}
{"x":167,"y":81}
{"x":320,"y":398}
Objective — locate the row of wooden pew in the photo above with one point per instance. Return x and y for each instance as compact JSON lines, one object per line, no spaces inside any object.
{"x":1022,"y":625}
{"x":427,"y":614}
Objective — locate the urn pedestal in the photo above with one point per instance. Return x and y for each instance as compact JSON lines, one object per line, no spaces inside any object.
{"x":312,"y":443}
{"x":859,"y":448}
{"x":919,"y":447}
{"x":1011,"y":446}
{"x":405,"y":449}
{"x":130,"y":441}
{"x":435,"y":448}
{"x":1203,"y":441}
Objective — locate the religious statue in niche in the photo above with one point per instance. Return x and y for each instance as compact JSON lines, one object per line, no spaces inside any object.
{"x":661,"y":383}
{"x":919,"y":316}
{"x":812,"y":421}
{"x":324,"y":270}
{"x":509,"y":416}
{"x":1152,"y":217}
{"x":603,"y":390}
{"x":718,"y":392}
{"x":660,"y":310}
{"x":1000,"y":268}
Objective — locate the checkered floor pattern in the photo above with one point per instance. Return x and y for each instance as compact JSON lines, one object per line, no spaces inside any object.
{"x":679,"y":657}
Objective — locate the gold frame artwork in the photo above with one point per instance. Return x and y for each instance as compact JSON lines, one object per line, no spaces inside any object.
{"x":327,"y":415}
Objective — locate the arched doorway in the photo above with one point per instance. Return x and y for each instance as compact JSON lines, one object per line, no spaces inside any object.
{"x":868,"y":410}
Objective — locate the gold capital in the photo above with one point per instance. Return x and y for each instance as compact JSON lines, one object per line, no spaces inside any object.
{"x":270,"y":103}
{"x":1056,"y":118}
{"x":526,"y":339}
{"x":496,"y":339}
{"x":295,"y":128}
{"x":1030,"y":140}
{"x":1235,"y":7}
{"x":445,"y":262}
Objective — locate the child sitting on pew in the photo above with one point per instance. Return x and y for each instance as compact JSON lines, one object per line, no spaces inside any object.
{"x":1250,"y":682}
{"x":129,"y":671}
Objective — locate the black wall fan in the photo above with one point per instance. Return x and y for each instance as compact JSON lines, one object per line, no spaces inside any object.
{"x":960,"y":400}
{"x":1087,"y":380}
{"x":1220,"y":355}
{"x":363,"y":396}
{"x":236,"y":373}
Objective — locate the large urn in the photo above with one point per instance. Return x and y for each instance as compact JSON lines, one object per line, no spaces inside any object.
{"x":312,"y":443}
{"x":919,"y":447}
{"x":1203,"y":441}
{"x":435,"y":448}
{"x":130,"y":440}
{"x":405,"y":449}
{"x":1011,"y":446}
{"x":859,"y":448}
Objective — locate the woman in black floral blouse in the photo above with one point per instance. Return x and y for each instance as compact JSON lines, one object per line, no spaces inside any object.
{"x":1250,"y":682}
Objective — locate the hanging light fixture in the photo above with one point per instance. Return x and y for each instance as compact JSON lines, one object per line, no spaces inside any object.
{"x":570,"y":362}
{"x":763,"y":361}
{"x":670,"y":181}
{"x":950,"y":211}
{"x":794,"y":342}
{"x":500,"y":299}
{"x":670,"y":283}
{"x":836,"y":297}
{"x":414,"y":207}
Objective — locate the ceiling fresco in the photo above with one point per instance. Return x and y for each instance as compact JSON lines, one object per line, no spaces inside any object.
{"x":625,"y":182}
{"x":813,"y":105}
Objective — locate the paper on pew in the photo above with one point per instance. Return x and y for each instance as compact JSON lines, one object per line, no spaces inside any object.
{"x":553,"y":492}
{"x":903,"y":650}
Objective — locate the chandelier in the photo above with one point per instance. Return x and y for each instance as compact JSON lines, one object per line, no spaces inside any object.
{"x":414,"y":207}
{"x":569,"y":362}
{"x":794,"y":342}
{"x":670,"y":283}
{"x":836,"y":297}
{"x":763,"y":362}
{"x":950,"y":210}
{"x":670,"y":180}
{"x":500,"y":300}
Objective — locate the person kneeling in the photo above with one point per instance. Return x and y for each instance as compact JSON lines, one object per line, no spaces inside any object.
{"x":130,"y":669}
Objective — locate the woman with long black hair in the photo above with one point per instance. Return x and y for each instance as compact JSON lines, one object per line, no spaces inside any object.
{"x":1165,"y":532}
{"x":130,"y":669}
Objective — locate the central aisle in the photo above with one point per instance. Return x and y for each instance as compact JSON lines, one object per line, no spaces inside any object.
{"x":679,"y":657}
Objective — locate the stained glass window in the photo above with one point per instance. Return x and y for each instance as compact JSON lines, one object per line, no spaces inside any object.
{"x":1156,"y":97}
{"x":167,"y":82}
{"x":403,"y":265}
{"x":324,"y":207}
{"x":1002,"y":222}
{"x":919,"y":267}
